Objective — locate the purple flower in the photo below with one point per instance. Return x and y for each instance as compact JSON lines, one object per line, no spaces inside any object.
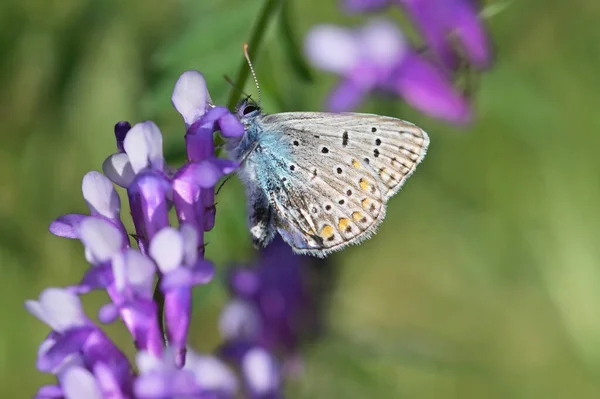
{"x":270,"y":313}
{"x":377,"y":57}
{"x":86,"y":363}
{"x":444,"y":24}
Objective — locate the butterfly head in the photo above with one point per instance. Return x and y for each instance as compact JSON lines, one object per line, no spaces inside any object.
{"x":247,"y":110}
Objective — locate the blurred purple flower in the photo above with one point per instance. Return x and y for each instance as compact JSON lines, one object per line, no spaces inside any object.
{"x":270,"y":314}
{"x":445,"y":25}
{"x":377,"y":57}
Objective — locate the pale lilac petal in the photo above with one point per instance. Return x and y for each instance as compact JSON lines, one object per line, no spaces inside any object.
{"x":238,"y":320}
{"x":190,"y":96}
{"x":140,"y":272}
{"x":147,"y":362}
{"x":211,"y":373}
{"x":260,"y":371}
{"x":166,"y":248}
{"x":67,"y":225}
{"x":190,"y":243}
{"x":143,"y":145}
{"x":108,"y":313}
{"x":332,"y":48}
{"x":383,"y":43}
{"x":101,"y":237}
{"x":424,"y":87}
{"x":118,"y":169}
{"x":79,"y":383}
{"x":58,"y":308}
{"x":346,"y":97}
{"x":108,"y":380}
{"x":201,"y":273}
{"x":100,"y":195}
{"x":166,"y":384}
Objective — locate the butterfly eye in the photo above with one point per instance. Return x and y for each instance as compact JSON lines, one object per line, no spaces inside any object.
{"x":249,"y":109}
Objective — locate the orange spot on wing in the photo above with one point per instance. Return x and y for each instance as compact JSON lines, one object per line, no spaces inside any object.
{"x":355,"y":163}
{"x":357,"y":216}
{"x":343,"y":223}
{"x":363,"y":183}
{"x":326,"y":231}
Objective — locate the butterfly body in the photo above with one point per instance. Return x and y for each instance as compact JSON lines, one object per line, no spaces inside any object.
{"x":322,"y":180}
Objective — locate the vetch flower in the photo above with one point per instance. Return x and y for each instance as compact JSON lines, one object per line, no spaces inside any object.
{"x":149,"y":286}
{"x":378,"y":57}
{"x":449,"y":27}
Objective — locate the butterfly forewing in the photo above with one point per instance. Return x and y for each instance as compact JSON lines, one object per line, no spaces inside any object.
{"x":392,"y":147}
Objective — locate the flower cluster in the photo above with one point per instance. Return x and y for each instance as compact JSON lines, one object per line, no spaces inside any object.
{"x":271,"y":306}
{"x":377,"y":57}
{"x":149,"y":287}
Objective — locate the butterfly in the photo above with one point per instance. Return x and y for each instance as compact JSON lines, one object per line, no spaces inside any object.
{"x":322,"y":180}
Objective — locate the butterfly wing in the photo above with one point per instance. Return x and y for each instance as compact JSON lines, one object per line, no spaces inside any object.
{"x":334,"y":174}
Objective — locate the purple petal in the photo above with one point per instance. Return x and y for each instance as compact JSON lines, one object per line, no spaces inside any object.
{"x":425,"y":88}
{"x":207,"y":173}
{"x":346,"y":97}
{"x":470,"y":30}
{"x":97,"y":277}
{"x":71,"y":342}
{"x":244,"y":282}
{"x":66,"y":225}
{"x":148,"y":202}
{"x":190,"y":96}
{"x":121,"y":129}
{"x":49,"y":392}
{"x":332,"y":48}
{"x":182,"y":277}
{"x":213,"y":115}
{"x":178,"y":309}
{"x":230,"y":126}
{"x":358,"y":6}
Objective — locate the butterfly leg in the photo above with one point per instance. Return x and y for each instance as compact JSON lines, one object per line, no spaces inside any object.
{"x":260,"y":219}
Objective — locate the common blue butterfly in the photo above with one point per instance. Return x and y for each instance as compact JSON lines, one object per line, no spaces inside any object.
{"x":322,"y":180}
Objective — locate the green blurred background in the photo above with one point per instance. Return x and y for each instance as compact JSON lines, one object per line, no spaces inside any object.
{"x":484,"y":281}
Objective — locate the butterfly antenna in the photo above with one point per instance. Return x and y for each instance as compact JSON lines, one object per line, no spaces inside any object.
{"x":252,"y":70}
{"x":232,"y":84}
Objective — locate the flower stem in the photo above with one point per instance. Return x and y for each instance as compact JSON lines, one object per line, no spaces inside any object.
{"x":268,"y":11}
{"x":159,"y":299}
